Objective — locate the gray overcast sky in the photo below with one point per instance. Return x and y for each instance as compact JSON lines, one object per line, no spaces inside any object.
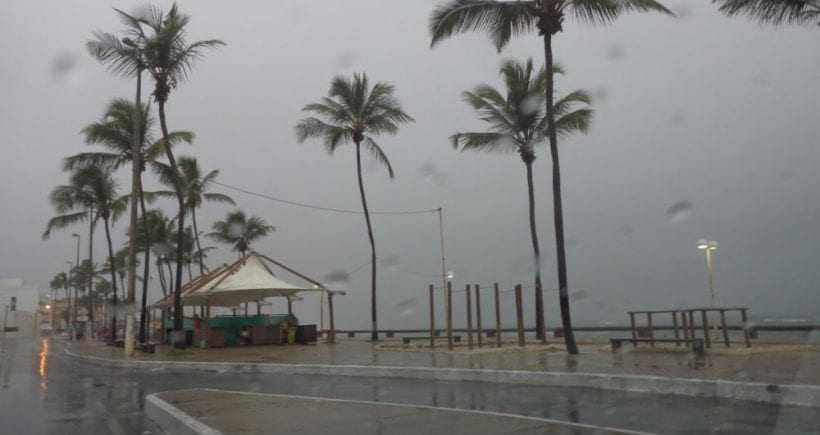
{"x":718,"y":113}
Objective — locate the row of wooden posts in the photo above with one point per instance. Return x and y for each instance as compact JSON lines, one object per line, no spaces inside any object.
{"x":469,"y":292}
{"x":688,"y":324}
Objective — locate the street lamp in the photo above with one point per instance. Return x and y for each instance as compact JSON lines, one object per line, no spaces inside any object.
{"x":707,"y":247}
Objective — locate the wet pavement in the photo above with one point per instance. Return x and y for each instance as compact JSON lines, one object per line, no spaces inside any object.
{"x":45,"y":391}
{"x":254,"y":413}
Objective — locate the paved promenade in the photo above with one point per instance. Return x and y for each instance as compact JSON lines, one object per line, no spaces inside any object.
{"x":766,"y":363}
{"x":207,"y":411}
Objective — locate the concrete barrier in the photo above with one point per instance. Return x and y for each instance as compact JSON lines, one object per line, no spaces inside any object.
{"x":173,"y":420}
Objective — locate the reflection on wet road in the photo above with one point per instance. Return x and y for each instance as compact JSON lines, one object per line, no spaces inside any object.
{"x":44,"y":391}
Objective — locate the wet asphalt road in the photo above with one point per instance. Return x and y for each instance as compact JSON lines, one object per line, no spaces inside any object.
{"x":45,"y":391}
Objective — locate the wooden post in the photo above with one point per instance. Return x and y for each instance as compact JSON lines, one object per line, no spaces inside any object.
{"x":685,"y":325}
{"x":543,"y":324}
{"x":432,"y":321}
{"x":290,"y":306}
{"x":651,"y":331}
{"x":497,"y":317}
{"x":634,"y":331}
{"x":208,"y":324}
{"x":692,"y":334}
{"x":469,"y":319}
{"x":449,"y":300}
{"x":478,"y":313}
{"x":745,"y":327}
{"x":706,"y":339}
{"x":332,"y":335}
{"x":675,"y":326}
{"x":519,"y":315}
{"x":723,"y":327}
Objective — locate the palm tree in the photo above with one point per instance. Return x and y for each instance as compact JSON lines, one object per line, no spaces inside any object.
{"x":169,"y":59}
{"x":124,"y":58}
{"x":502,"y":20}
{"x":115,"y":132}
{"x":352,"y":112}
{"x":195,"y":188}
{"x":240,"y":231}
{"x":518,"y":124}
{"x":773,"y":11}
{"x":120,"y":267}
{"x":162,"y":236}
{"x":91,"y":188}
{"x":61,"y":281}
{"x":82,"y":278}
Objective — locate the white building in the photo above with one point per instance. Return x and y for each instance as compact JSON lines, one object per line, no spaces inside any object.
{"x":19,"y":305}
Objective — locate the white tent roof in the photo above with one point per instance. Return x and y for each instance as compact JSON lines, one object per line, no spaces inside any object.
{"x":247,"y":280}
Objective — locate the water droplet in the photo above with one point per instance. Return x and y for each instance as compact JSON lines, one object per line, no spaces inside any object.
{"x":601,"y":94}
{"x":578,"y":295}
{"x":440,"y":179}
{"x":531,"y":104}
{"x":346,"y":60}
{"x":625,"y":231}
{"x":615,"y":52}
{"x":427,"y":169}
{"x":682,"y":11}
{"x":391,"y":262}
{"x":677,"y":119}
{"x":64,"y":69}
{"x":407,"y":307}
{"x":679,"y":211}
{"x":572,"y":242}
{"x":337,"y":280}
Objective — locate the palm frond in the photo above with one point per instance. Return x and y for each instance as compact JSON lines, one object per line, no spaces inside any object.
{"x":378,"y":154}
{"x":333,"y":135}
{"x":101,"y":159}
{"x":500,"y":19}
{"x":774,"y":12}
{"x":218,"y":197}
{"x":488,"y":142}
{"x":63,"y":221}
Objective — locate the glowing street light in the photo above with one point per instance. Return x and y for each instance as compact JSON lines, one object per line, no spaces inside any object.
{"x":707,"y":247}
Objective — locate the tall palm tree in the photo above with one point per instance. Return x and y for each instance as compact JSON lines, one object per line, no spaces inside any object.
{"x":773,"y":11}
{"x":169,"y":58}
{"x":61,"y":281}
{"x":518,"y":123}
{"x":352,"y":112}
{"x":240,"y":231}
{"x":502,"y":20}
{"x":151,"y":235}
{"x":195,"y":187}
{"x":91,"y":188}
{"x":115,"y":132}
{"x":82,"y":278}
{"x":124,"y":58}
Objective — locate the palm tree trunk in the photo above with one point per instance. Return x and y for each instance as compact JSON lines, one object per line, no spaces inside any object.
{"x":196,"y":238}
{"x":563,"y":292}
{"x":170,"y":277}
{"x":136,"y":167}
{"x":536,"y":250}
{"x":161,"y":275}
{"x":91,"y":271}
{"x":147,"y":268}
{"x":113,"y":281}
{"x":190,"y":275}
{"x":374,"y":332}
{"x":179,"y":341}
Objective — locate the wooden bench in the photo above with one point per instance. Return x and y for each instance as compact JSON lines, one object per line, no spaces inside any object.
{"x":407,"y":340}
{"x":149,"y":347}
{"x":697,"y":343}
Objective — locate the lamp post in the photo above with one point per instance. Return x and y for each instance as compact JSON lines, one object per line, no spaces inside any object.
{"x":707,"y":247}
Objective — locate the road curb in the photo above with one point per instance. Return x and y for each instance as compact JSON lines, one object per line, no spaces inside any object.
{"x":779,"y":394}
{"x":173,"y":419}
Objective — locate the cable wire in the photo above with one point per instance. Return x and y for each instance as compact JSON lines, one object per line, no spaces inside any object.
{"x":316,"y":207}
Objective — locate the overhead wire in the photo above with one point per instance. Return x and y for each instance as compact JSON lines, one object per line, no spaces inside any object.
{"x":322,"y":208}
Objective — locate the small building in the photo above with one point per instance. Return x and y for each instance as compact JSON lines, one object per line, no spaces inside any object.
{"x":19,"y":307}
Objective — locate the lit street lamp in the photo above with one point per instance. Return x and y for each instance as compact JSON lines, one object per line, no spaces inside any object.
{"x":707,"y":247}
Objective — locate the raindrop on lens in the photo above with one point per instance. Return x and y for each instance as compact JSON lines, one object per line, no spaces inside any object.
{"x":407,"y":307}
{"x":679,"y":211}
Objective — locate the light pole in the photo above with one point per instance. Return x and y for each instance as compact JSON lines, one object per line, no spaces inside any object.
{"x":76,"y":288}
{"x":707,"y":247}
